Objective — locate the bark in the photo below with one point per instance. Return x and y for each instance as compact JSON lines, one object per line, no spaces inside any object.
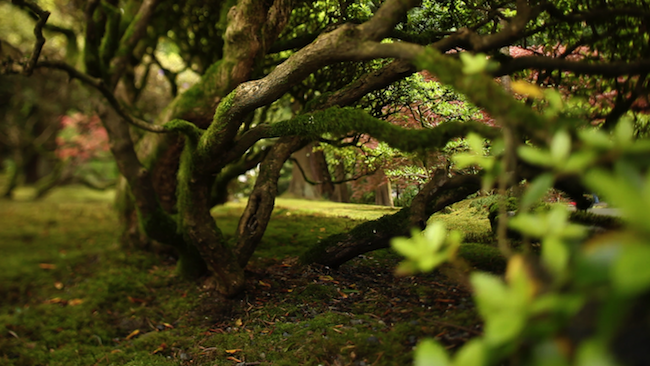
{"x":437,"y":194}
{"x":383,"y":192}
{"x":257,"y":214}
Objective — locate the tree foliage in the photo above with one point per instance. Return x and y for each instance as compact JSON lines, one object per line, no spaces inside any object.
{"x":329,"y":56}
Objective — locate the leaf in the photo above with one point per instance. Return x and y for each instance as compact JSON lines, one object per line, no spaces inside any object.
{"x":555,"y":103}
{"x":624,"y":131}
{"x":133,"y":334}
{"x":233,"y":351}
{"x":238,"y":323}
{"x":473,"y":353}
{"x":528,"y":224}
{"x":595,"y":138}
{"x":47,"y":265}
{"x":160,"y":348}
{"x":55,"y":300}
{"x":536,"y":190}
{"x":75,"y":302}
{"x":579,"y":161}
{"x":475,"y":143}
{"x":534,"y":156}
{"x":560,"y":147}
{"x":430,"y":353}
{"x":593,"y":353}
{"x":473,"y":64}
{"x":631,"y":271}
{"x":525,"y":88}
{"x":503,"y":310}
{"x":555,"y":255}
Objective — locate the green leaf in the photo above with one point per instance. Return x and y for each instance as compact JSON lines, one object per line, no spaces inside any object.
{"x":429,"y":353}
{"x":504,"y":326}
{"x":528,"y":224}
{"x":548,"y":353}
{"x":463,"y":160}
{"x":594,"y":353}
{"x":596,"y":138}
{"x":631,"y":271}
{"x":555,"y":103}
{"x":579,"y":161}
{"x":475,"y":143}
{"x":560,"y":147}
{"x":473,"y":353}
{"x":504,"y":310}
{"x":536,"y":190}
{"x":624,"y":132}
{"x":534,"y":156}
{"x":555,"y":255}
{"x":473,"y":64}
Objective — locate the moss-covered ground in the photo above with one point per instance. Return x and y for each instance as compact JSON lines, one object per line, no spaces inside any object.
{"x":71,"y":295}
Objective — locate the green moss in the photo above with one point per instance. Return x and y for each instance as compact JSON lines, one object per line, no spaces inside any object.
{"x":483,"y":257}
{"x":339,"y":121}
{"x":189,"y":129}
{"x":220,"y":121}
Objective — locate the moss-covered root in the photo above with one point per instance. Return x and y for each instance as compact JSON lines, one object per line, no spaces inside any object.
{"x":190,"y":264}
{"x":371,"y":235}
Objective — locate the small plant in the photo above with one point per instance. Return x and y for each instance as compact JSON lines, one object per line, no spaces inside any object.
{"x":572,"y":304}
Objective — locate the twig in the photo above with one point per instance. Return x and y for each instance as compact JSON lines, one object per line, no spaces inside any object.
{"x":102,"y":88}
{"x":43,"y":15}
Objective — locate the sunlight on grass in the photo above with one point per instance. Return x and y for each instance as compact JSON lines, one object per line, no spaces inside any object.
{"x":70,"y":294}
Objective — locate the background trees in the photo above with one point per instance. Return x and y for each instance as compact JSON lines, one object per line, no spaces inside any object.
{"x":325,"y":59}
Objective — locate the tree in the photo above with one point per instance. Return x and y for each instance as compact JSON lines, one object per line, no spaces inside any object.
{"x":251,"y":53}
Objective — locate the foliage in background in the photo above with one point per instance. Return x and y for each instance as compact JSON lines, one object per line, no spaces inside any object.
{"x":580,"y":299}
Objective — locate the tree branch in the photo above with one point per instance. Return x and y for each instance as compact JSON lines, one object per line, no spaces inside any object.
{"x":43,"y":15}
{"x":134,"y":33}
{"x":611,"y":69}
{"x":101,"y":87}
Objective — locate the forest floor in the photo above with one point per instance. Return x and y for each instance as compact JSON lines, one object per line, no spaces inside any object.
{"x":71,"y":295}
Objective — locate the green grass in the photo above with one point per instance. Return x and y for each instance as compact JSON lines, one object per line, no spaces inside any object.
{"x":71,"y":295}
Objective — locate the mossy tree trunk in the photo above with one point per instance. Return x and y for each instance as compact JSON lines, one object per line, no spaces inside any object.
{"x":212,"y":140}
{"x":440,"y":192}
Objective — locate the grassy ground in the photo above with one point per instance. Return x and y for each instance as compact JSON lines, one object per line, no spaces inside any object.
{"x":70,"y":295}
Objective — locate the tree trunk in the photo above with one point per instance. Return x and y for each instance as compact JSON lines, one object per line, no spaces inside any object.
{"x":383,"y":192}
{"x":257,"y":214}
{"x":437,"y":194}
{"x":311,"y":178}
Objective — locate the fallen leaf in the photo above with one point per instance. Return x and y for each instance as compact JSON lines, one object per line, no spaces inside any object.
{"x":116,"y":351}
{"x":133,"y":334}
{"x":136,"y":300}
{"x":233,"y":351}
{"x":326,"y":278}
{"x":238,"y":323}
{"x":58,"y":285}
{"x":167,"y":325}
{"x":160,"y":348}
{"x":47,"y":265}
{"x":55,"y":300}
{"x":264,"y":284}
{"x":234,"y":359}
{"x":75,"y":302}
{"x":322,"y":230}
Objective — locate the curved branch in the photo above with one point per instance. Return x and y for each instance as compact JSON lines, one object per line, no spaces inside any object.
{"x":611,"y":69}
{"x":101,"y":87}
{"x":438,"y":193}
{"x":43,"y":15}
{"x":135,"y":32}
